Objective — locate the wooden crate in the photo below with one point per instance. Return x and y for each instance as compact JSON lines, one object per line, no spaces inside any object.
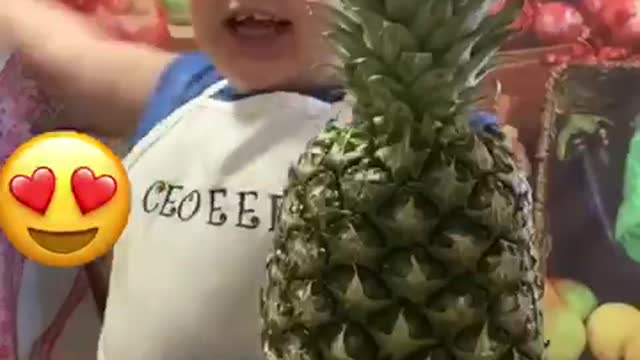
{"x":182,"y":39}
{"x":523,"y":79}
{"x":578,"y":198}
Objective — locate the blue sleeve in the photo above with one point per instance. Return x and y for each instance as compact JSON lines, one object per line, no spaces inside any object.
{"x":185,"y":78}
{"x":484,"y":121}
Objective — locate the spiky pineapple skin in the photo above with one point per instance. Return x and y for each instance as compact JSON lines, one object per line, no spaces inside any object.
{"x":406,"y":236}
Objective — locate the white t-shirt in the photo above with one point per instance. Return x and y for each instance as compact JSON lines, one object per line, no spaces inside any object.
{"x":207,"y":182}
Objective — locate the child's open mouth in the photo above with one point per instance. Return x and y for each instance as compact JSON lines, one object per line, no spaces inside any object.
{"x":258,"y":25}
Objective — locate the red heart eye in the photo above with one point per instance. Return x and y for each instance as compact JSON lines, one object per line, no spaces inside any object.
{"x":92,"y":192}
{"x":35,"y":191}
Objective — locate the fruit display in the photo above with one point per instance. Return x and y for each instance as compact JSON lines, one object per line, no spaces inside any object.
{"x":591,"y":110}
{"x":576,"y":324}
{"x":578,"y":297}
{"x":621,"y":22}
{"x":558,"y":23}
{"x":601,"y":29}
{"x":407,"y":235}
{"x":567,"y":304}
{"x":613,"y":332}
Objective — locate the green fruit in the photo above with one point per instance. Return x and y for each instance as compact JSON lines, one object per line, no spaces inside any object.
{"x":566,"y":334}
{"x":578,"y":297}
{"x":179,"y":11}
{"x":407,"y":236}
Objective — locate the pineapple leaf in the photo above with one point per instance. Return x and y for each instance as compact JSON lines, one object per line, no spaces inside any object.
{"x":474,"y":71}
{"x":396,"y":39}
{"x":430,"y":80}
{"x":373,"y":25}
{"x":343,"y":19}
{"x":476,"y":156}
{"x":429,"y":127}
{"x":399,"y":116}
{"x":504,"y":18}
{"x":487,"y":41}
{"x":346,"y":44}
{"x":366,"y":68}
{"x":396,"y":121}
{"x":445,"y":108}
{"x":383,"y":126}
{"x":450,"y":133}
{"x":364,"y":188}
{"x":384,"y":82}
{"x":383,"y":91}
{"x":412,"y":64}
{"x":472,"y":14}
{"x":465,"y":21}
{"x":376,"y":6}
{"x":442,"y":100}
{"x":424,"y":21}
{"x":349,"y":147}
{"x":442,"y":13}
{"x":460,"y":53}
{"x":400,"y":10}
{"x":395,"y":158}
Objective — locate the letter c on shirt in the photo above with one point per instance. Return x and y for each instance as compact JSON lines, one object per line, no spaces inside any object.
{"x":149,"y":204}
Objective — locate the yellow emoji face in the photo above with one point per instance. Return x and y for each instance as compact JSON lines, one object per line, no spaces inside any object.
{"x":64,"y":199}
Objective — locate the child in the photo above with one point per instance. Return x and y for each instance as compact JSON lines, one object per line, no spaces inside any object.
{"x":207,"y":166}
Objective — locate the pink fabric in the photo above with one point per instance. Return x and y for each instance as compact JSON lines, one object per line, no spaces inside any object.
{"x":21,"y":103}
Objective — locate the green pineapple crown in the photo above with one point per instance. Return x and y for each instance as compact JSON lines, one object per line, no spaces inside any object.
{"x":417,"y":61}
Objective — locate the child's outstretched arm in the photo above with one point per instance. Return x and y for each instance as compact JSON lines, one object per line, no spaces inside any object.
{"x":78,"y":62}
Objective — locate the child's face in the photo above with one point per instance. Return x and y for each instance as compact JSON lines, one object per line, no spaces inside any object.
{"x":264,"y":44}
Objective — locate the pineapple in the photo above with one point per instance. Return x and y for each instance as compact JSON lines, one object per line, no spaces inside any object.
{"x":407,"y":235}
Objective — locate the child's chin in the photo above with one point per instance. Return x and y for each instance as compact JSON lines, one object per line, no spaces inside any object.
{"x":257,"y":79}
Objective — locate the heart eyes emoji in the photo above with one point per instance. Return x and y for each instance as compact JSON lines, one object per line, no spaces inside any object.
{"x":36,"y":191}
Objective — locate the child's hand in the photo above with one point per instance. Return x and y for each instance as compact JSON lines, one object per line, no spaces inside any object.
{"x":79,"y":63}
{"x":28,"y":25}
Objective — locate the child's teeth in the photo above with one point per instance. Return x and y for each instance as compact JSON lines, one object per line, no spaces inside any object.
{"x":262,"y":17}
{"x":256,"y":16}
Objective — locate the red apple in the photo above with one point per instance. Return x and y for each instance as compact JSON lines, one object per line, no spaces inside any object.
{"x":558,"y":23}
{"x":592,"y":11}
{"x":615,"y":13}
{"x":622,"y":21}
